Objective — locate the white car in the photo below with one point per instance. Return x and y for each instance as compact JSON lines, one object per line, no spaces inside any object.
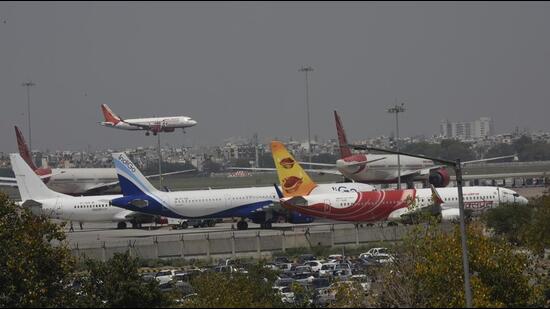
{"x":375,"y":252}
{"x":337,"y":257}
{"x":326,"y":269}
{"x":287,"y":296}
{"x":165,"y":276}
{"x":315,"y":265}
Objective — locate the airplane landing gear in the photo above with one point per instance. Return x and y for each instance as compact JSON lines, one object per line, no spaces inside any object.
{"x":147,"y":133}
{"x":242,"y":225}
{"x":266,"y":225}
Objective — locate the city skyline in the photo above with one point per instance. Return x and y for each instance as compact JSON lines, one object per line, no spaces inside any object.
{"x":234,"y":67}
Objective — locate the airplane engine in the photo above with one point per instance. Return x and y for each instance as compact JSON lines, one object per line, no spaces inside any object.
{"x":169,"y":129}
{"x":439,"y":178}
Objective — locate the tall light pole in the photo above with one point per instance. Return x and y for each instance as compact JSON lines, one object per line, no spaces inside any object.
{"x":160,"y":161}
{"x":29,"y":84}
{"x":396,"y":110}
{"x":307,"y":69}
{"x":458,"y":173}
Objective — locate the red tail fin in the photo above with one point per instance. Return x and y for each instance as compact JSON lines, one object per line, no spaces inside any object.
{"x":23,"y":149}
{"x":109,"y":115}
{"x":344,"y":149}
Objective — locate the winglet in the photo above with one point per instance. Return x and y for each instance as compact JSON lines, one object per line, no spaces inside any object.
{"x":279,"y":193}
{"x":109,"y":115}
{"x":345,"y":151}
{"x":293,"y":179}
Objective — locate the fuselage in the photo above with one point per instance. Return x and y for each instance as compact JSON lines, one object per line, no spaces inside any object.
{"x":383,"y":169}
{"x":218,"y":203}
{"x":161,"y":123}
{"x":83,"y":209}
{"x":76,"y":181}
{"x":392,"y":204}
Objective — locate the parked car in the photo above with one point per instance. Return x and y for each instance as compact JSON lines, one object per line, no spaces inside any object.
{"x":306,"y":257}
{"x":375,"y":252}
{"x":165,"y":276}
{"x":326,"y":269}
{"x":282,"y":282}
{"x":336,"y":257}
{"x":301,"y":269}
{"x":287,"y":296}
{"x":315,"y":265}
{"x":281,"y":259}
{"x":284,"y":266}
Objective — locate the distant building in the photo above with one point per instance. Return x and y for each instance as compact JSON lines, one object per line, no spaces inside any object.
{"x":477,"y":129}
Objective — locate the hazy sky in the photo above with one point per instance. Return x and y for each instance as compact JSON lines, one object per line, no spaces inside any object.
{"x":234,"y":68}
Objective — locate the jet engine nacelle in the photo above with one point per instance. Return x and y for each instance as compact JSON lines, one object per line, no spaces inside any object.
{"x":439,"y":178}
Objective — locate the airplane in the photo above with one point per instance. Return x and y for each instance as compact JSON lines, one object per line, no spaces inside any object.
{"x":298,"y":194}
{"x":155,"y":125}
{"x":383,"y":168}
{"x":72,"y":181}
{"x":254,"y":203}
{"x":42,"y":200}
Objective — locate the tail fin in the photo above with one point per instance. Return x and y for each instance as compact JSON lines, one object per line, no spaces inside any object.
{"x":109,"y":115}
{"x":23,"y":149}
{"x":342,"y":140}
{"x":30,"y":185}
{"x":294,"y":180}
{"x":132,"y":182}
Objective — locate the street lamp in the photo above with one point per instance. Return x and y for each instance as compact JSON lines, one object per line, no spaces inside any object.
{"x":458,"y":172}
{"x":29,"y":84}
{"x":307,"y":69}
{"x":396,"y":110}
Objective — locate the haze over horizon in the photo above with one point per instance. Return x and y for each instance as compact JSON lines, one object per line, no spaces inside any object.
{"x":233,"y":67}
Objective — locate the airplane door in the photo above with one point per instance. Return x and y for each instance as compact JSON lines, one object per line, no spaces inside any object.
{"x":327,"y":206}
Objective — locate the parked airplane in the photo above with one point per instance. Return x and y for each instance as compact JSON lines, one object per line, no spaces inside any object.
{"x":253,"y":203}
{"x":383,"y":168}
{"x":36,"y":195}
{"x":298,"y":194}
{"x":155,"y":125}
{"x":73,"y":181}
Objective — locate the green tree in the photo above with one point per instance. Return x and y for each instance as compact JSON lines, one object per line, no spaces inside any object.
{"x":235,"y":290}
{"x":509,"y":221}
{"x":428,"y":272}
{"x":34,"y":272}
{"x":116,"y":283}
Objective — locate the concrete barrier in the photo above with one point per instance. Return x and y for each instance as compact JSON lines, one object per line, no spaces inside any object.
{"x":243,"y":243}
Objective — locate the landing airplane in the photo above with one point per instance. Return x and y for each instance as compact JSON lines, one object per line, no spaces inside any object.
{"x":298,"y":194}
{"x":155,"y":125}
{"x":72,"y":181}
{"x":254,"y":203}
{"x":42,"y":200}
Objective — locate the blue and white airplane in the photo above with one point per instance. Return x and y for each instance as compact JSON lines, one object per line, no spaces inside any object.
{"x":254,"y":203}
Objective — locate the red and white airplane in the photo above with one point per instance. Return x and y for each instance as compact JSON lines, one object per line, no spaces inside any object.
{"x":383,"y":168}
{"x":394,"y":205}
{"x":155,"y":125}
{"x":72,"y":181}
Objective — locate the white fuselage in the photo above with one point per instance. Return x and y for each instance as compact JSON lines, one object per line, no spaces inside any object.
{"x":379,"y":171}
{"x":83,"y":209}
{"x":162,"y":122}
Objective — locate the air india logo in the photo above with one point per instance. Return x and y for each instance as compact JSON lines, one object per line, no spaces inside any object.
{"x":291,"y":184}
{"x":287,"y":163}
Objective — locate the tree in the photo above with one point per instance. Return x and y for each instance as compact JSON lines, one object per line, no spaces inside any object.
{"x":116,"y":283}
{"x":428,"y":272}
{"x":34,"y":272}
{"x":232,"y":290}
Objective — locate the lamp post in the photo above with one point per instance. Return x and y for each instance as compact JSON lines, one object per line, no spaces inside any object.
{"x":396,"y":110}
{"x":29,"y":84}
{"x":458,"y":172}
{"x":307,"y":69}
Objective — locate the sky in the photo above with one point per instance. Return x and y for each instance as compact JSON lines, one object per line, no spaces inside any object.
{"x":234,"y":67}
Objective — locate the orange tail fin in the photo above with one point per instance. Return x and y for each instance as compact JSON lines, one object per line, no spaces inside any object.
{"x":293,"y":179}
{"x":342,"y":140}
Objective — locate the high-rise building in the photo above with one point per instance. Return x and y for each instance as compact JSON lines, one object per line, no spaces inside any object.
{"x":476,"y":129}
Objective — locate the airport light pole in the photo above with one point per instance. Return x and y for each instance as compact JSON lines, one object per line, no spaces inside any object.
{"x":396,"y":110}
{"x":307,"y":69}
{"x":160,"y":161}
{"x":29,"y":84}
{"x":457,"y":165}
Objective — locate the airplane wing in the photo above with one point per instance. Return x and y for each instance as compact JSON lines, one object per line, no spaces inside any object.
{"x":8,"y":184}
{"x":367,"y":162}
{"x":269,"y":169}
{"x":503,"y":175}
{"x":111,"y":185}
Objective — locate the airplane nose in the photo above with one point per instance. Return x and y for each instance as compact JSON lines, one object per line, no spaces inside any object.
{"x":193,"y":122}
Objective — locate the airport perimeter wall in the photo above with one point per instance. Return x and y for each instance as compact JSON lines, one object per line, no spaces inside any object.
{"x":257,"y":244}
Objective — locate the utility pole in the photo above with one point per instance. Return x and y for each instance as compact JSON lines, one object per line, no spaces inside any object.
{"x":307,"y":69}
{"x":29,"y":84}
{"x":396,"y":110}
{"x":160,"y":161}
